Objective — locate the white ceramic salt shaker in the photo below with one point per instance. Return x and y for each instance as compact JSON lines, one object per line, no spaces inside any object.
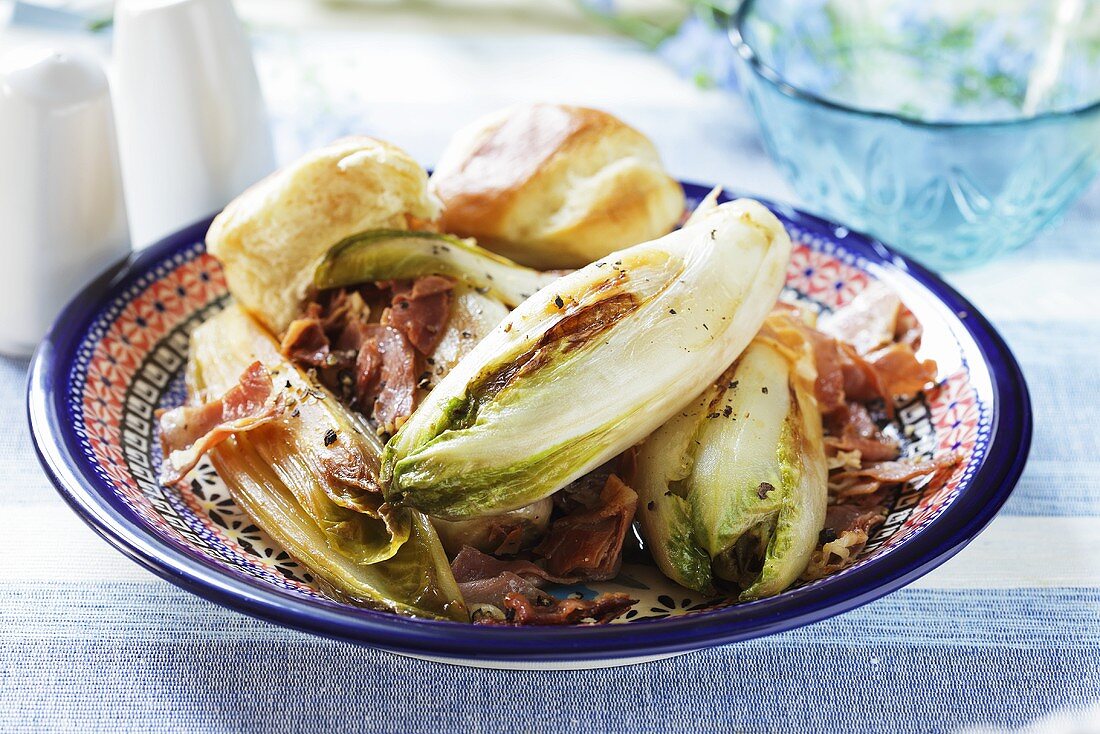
{"x":62,"y":213}
{"x":193,"y":128}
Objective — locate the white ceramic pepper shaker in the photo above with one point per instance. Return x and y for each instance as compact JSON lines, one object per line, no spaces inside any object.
{"x":193,"y":128}
{"x":62,"y":213}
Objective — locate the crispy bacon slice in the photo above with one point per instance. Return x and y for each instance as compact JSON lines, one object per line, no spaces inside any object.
{"x":189,"y":431}
{"x":421,"y":311}
{"x":588,"y":543}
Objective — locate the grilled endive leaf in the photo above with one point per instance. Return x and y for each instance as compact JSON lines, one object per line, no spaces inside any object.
{"x":589,"y":366}
{"x":473,"y":316}
{"x":400,"y":254}
{"x":735,"y":486}
{"x":308,"y":478}
{"x":709,"y":202}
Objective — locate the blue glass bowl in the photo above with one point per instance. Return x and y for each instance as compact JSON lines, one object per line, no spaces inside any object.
{"x":954,"y":132}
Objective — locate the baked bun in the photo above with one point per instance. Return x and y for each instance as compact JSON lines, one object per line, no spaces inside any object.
{"x":271,"y":238}
{"x":553,"y":186}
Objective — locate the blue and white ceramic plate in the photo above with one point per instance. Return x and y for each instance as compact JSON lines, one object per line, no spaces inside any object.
{"x":117,"y":352}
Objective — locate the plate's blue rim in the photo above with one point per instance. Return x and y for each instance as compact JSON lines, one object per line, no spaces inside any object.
{"x":58,"y":450}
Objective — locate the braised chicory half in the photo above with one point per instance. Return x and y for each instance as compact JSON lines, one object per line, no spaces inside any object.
{"x":589,"y":366}
{"x":305,"y":469}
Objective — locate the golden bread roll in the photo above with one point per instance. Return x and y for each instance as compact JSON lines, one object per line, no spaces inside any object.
{"x":553,"y":186}
{"x":271,"y":238}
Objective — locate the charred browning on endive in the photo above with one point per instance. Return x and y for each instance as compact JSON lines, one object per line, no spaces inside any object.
{"x":575,"y":330}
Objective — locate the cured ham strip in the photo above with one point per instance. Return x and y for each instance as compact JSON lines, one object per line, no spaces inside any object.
{"x":900,"y":372}
{"x":512,"y":601}
{"x":385,"y":376}
{"x":583,"y":545}
{"x":421,"y":311}
{"x":863,"y":352}
{"x":519,"y":610}
{"x":373,"y":366}
{"x":844,"y":375}
{"x":472,"y":565}
{"x":894,"y":472}
{"x":869,"y":322}
{"x":305,"y":341}
{"x":851,"y":429}
{"x":340,"y":307}
{"x":512,"y":589}
{"x":588,"y":544}
{"x":189,"y":431}
{"x":840,"y":519}
{"x":876,"y":318}
{"x":847,"y":529}
{"x":908,"y":330}
{"x":493,"y":591}
{"x":871,"y":477}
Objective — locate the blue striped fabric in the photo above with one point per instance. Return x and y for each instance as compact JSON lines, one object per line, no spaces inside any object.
{"x":916,"y":661}
{"x":1007,"y":632}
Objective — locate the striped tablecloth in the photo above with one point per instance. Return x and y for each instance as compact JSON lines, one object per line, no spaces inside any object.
{"x":1006,"y":632}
